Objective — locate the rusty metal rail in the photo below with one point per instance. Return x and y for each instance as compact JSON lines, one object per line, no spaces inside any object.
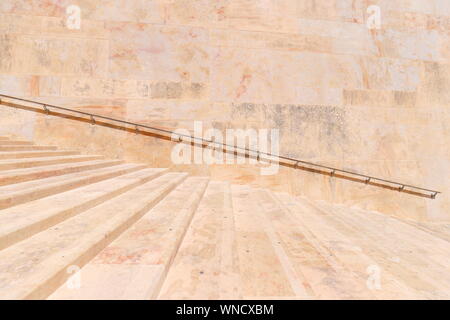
{"x":286,"y":161}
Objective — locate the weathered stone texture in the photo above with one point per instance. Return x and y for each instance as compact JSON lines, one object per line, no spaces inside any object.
{"x":372,"y":101}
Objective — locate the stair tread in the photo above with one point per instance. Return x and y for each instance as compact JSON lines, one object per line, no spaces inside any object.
{"x":259,"y":253}
{"x":34,"y":267}
{"x":78,"y":156}
{"x":10,"y":164}
{"x":395,"y":248}
{"x":10,"y":148}
{"x":134,"y":265}
{"x":32,"y":154}
{"x":31,"y":215}
{"x":43,"y":168}
{"x":402,"y":236}
{"x":15,"y":194}
{"x":205,"y":264}
{"x":311,"y":265}
{"x":440,"y":230}
{"x":65,"y":178}
{"x":345,"y":256}
{"x":18,"y":175}
{"x":15,"y":142}
{"x":352,"y":254}
{"x":344,"y":253}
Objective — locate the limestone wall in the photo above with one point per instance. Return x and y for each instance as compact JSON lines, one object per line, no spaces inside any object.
{"x":375,"y":101}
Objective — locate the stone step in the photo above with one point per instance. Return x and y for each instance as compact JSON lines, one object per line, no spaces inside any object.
{"x":25,"y":220}
{"x":135,"y":265}
{"x":394,"y":246}
{"x":11,"y":164}
{"x":35,"y":154}
{"x":21,"y":175}
{"x":15,"y":142}
{"x":204,"y":266}
{"x":441,"y":230}
{"x":14,"y":194}
{"x":310,"y":262}
{"x":4,"y":148}
{"x":352,"y":264}
{"x":405,"y":238}
{"x":259,"y":251}
{"x":35,"y":267}
{"x":356,"y":262}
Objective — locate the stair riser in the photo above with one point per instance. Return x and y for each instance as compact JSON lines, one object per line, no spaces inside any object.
{"x":40,"y":163}
{"x":46,"y":174}
{"x":26,"y":148}
{"x":15,"y":142}
{"x":36,"y":154}
{"x":19,"y":235}
{"x":35,"y":193}
{"x":49,"y":286}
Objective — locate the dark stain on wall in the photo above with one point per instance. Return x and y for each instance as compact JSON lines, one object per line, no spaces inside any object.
{"x":305,"y":130}
{"x":41,"y":49}
{"x":436,"y":80}
{"x":318,"y":129}
{"x":5,"y":53}
{"x":245,"y":111}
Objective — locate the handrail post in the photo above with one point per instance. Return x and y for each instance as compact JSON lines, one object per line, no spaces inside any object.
{"x":46,"y":109}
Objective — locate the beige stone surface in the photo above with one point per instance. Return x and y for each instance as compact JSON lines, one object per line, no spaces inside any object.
{"x":37,"y":162}
{"x":17,"y":193}
{"x":136,"y":264}
{"x":372,"y":101}
{"x":124,"y":231}
{"x":34,"y":154}
{"x":79,"y":239}
{"x":18,"y":223}
{"x":21,"y":175}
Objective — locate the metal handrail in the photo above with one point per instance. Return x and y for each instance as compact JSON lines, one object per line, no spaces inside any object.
{"x":318,"y":168}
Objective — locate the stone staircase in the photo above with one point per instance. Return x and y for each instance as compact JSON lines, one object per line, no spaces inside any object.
{"x":135,"y":232}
